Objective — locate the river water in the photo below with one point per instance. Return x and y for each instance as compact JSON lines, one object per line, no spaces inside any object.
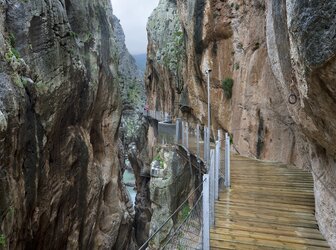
{"x":128,"y":177}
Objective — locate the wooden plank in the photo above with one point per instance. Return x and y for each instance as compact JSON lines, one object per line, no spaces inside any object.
{"x":279,"y":221}
{"x":268,"y":207}
{"x":265,"y":211}
{"x":262,"y":214}
{"x":246,"y":186}
{"x":269,"y":191}
{"x":268,"y":236}
{"x":217,"y":240}
{"x":274,"y":199}
{"x":270,"y":197}
{"x":264,"y":227}
{"x":291,"y":207}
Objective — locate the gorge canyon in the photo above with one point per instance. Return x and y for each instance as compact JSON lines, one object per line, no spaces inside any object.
{"x":72,"y":98}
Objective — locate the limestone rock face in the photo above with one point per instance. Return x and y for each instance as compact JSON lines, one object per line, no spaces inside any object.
{"x":281,"y":58}
{"x":135,"y":133}
{"x":301,"y":38}
{"x":60,"y":182}
{"x":168,"y":191}
{"x":131,"y":78}
{"x":140,"y":152}
{"x":165,"y":57}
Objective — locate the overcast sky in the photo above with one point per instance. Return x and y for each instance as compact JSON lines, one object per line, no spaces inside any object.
{"x":133,"y":15}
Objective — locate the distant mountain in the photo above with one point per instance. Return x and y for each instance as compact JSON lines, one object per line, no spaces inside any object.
{"x":141,"y":61}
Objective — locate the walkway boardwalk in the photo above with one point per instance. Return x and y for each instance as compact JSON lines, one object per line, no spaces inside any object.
{"x":269,"y":206}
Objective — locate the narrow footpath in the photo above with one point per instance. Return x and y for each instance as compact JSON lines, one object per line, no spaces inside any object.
{"x":269,"y":206}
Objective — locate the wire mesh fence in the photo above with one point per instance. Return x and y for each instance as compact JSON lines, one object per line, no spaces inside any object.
{"x":187,"y":230}
{"x":188,"y":234}
{"x":188,"y":221}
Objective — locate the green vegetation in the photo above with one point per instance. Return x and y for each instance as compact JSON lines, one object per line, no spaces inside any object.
{"x":133,"y":92}
{"x":160,"y":160}
{"x":236,"y":66}
{"x":2,"y":240}
{"x":174,"y":52}
{"x":132,"y":126}
{"x":185,"y":211}
{"x":235,"y":6}
{"x":12,"y":52}
{"x":15,"y":53}
{"x":227,"y":85}
{"x":73,"y":34}
{"x":12,"y":40}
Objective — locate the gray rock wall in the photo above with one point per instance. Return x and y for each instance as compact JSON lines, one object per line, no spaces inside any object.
{"x":131,"y":78}
{"x":60,"y":110}
{"x":168,"y":190}
{"x":304,"y":63}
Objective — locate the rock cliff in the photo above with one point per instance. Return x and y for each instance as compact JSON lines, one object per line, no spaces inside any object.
{"x":172,"y":187}
{"x":131,"y":78}
{"x":136,"y":133}
{"x":60,"y":110}
{"x":272,"y":81}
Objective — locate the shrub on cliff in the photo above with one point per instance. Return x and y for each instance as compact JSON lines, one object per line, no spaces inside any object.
{"x":2,"y":240}
{"x":227,"y":85}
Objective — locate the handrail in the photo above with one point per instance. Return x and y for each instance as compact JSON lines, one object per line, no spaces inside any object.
{"x":200,"y":162}
{"x":184,"y":221}
{"x":210,"y":181}
{"x":171,"y":216}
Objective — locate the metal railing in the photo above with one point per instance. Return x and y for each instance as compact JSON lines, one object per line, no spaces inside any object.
{"x":191,"y":224}
{"x":194,"y":231}
{"x":211,"y":180}
{"x":188,"y":235}
{"x":158,"y":115}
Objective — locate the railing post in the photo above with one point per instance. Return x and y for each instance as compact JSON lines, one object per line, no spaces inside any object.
{"x":227,"y":161}
{"x":197,"y":140}
{"x":212,"y":186}
{"x":206,"y":213}
{"x":205,"y":143}
{"x":208,"y":142}
{"x":187,"y":135}
{"x":178,"y":129}
{"x":217,"y":164}
{"x":183,"y":132}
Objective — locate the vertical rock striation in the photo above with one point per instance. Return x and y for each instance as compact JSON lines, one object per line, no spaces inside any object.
{"x":136,"y":134}
{"x":165,"y":57}
{"x":304,"y":63}
{"x":59,"y":117}
{"x":281,"y":58}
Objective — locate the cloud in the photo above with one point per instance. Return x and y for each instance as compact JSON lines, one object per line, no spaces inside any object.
{"x":133,"y":15}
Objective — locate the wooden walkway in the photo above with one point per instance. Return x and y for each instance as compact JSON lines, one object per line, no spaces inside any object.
{"x":269,"y":206}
